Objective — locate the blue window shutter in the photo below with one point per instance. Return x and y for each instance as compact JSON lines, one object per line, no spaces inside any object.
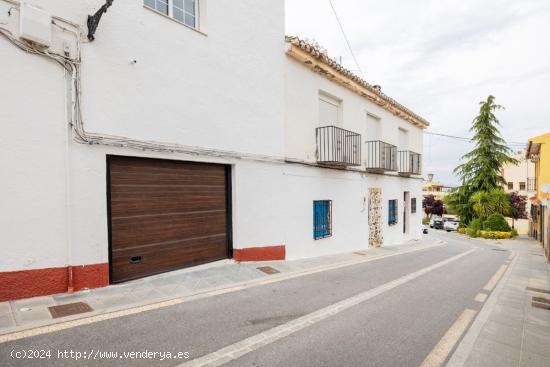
{"x":321,"y":218}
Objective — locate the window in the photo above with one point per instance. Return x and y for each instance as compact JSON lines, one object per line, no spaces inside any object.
{"x":328,"y":110}
{"x":322,"y":219}
{"x":392,"y":212}
{"x":510,"y":185}
{"x":413,"y":205}
{"x":184,"y":11}
{"x":522,"y":185}
{"x":373,"y":126}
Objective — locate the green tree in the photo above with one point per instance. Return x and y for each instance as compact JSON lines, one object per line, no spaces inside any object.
{"x":458,"y":200}
{"x":481,"y":170}
{"x":501,"y":202}
{"x":486,"y":203}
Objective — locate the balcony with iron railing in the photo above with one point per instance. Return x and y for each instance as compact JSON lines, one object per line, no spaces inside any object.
{"x":380,"y":156}
{"x":409,"y":162}
{"x":337,"y":146}
{"x":531,"y":184}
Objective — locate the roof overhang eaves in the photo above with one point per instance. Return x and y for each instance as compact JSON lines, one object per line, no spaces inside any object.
{"x":318,"y":62}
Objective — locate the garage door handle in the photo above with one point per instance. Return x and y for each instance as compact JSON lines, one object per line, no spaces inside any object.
{"x":135,"y":259}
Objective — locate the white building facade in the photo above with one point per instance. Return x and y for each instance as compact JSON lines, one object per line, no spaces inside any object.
{"x":520,"y":178}
{"x":183,"y":133}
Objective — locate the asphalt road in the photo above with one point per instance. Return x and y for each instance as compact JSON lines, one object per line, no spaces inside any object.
{"x":398,"y":327}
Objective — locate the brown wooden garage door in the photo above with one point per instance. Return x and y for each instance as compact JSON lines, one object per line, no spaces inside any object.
{"x":165,"y":215}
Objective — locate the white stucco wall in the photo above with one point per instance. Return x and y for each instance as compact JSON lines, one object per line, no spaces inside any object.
{"x":222,"y":88}
{"x":302,"y":114}
{"x":273,"y":204}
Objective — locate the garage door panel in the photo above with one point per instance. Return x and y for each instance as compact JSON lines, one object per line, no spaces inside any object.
{"x":134,"y":231}
{"x":165,"y":215}
{"x":169,"y":179}
{"x":152,"y":261}
{"x":150,"y":206}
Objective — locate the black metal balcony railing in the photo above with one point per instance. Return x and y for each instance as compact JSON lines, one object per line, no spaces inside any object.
{"x":532,"y":184}
{"x":336,"y":146}
{"x":409,"y":162}
{"x":381,"y":156}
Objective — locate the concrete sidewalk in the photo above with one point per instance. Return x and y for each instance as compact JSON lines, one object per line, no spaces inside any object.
{"x":509,"y":330}
{"x":190,"y":283}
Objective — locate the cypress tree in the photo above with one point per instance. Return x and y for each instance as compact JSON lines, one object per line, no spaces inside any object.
{"x":481,"y":171}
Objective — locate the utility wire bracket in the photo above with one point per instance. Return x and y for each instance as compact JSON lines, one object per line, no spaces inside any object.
{"x":93,"y":20}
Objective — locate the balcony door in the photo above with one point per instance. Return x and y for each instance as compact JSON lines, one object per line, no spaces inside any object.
{"x":329,"y":110}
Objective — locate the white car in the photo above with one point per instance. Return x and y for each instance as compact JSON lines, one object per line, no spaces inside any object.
{"x":450,"y":225}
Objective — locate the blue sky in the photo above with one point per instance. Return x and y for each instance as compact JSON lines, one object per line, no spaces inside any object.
{"x":440,"y":58}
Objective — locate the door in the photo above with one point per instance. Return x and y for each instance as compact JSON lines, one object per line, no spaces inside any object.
{"x":406,"y":201}
{"x":165,"y":215}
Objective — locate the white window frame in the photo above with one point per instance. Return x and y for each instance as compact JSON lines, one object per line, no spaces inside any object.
{"x":171,"y":12}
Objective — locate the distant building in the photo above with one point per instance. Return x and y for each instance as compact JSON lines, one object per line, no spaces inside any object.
{"x":437,"y":189}
{"x":538,"y":151}
{"x":520,"y":178}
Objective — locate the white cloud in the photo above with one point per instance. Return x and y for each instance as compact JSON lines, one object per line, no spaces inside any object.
{"x":441,"y":57}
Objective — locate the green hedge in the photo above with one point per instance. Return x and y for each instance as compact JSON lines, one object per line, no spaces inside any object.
{"x":496,"y":222}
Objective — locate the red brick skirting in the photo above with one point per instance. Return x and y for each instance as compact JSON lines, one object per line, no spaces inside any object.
{"x":259,"y":253}
{"x":41,"y":282}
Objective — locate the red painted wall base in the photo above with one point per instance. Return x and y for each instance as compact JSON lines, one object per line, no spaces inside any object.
{"x":259,"y":253}
{"x":41,"y":282}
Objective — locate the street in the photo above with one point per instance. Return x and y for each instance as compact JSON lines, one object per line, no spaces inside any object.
{"x":399,"y":325}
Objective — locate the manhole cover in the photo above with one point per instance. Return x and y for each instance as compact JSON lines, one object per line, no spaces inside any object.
{"x":538,"y":290}
{"x":69,"y":309}
{"x":268,"y":270}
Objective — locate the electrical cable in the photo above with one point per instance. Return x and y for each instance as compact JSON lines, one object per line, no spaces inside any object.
{"x":346,"y":38}
{"x":469,"y":140}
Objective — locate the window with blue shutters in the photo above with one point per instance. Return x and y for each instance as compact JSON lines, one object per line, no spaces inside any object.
{"x":413,"y":205}
{"x":322,"y":219}
{"x":392,"y":212}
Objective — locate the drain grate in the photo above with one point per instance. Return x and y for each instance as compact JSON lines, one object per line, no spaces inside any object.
{"x":498,"y":249}
{"x":360,"y":253}
{"x":69,"y":309}
{"x":538,"y":290}
{"x":268,"y":270}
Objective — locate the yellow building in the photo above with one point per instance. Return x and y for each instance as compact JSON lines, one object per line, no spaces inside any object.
{"x":437,"y":189}
{"x":538,"y":151}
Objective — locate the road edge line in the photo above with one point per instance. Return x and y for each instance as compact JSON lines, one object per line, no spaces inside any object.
{"x":444,"y":347}
{"x":464,"y":349}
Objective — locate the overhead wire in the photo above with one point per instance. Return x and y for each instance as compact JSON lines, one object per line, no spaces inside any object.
{"x":346,"y":38}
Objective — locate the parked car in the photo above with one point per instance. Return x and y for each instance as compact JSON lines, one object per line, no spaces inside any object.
{"x":438,"y":223}
{"x":433,"y":219}
{"x":451,"y":225}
